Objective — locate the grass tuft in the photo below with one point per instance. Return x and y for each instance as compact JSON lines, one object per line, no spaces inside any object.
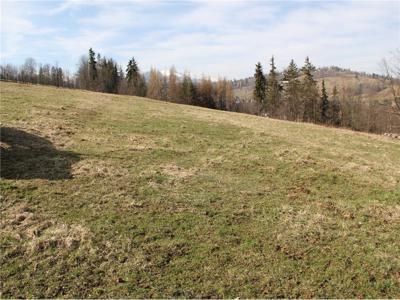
{"x":125,"y":197}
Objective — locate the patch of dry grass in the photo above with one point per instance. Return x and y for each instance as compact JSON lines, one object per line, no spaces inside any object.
{"x":97,"y":168}
{"x":39,"y":233}
{"x":116,"y":196}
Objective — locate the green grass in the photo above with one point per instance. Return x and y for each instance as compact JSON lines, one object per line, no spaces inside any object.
{"x":116,"y":196}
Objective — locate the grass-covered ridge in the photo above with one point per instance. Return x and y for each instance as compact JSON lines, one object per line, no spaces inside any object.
{"x":116,"y":196}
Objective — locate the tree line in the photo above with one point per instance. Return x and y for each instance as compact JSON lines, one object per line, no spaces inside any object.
{"x":296,"y":96}
{"x":293,"y":94}
{"x":102,"y":74}
{"x":32,"y":72}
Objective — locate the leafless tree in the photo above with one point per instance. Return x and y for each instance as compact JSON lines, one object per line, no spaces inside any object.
{"x":173,"y":88}
{"x":391,"y":69}
{"x":28,"y":71}
{"x":155,"y":85}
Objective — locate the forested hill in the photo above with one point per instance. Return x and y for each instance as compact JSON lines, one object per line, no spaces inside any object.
{"x":368,"y":85}
{"x":366,"y":100}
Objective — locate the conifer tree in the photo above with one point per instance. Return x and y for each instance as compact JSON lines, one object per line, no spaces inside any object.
{"x":309,"y":92}
{"x":259,"y":88}
{"x":292,"y":91}
{"x":324,"y":104}
{"x":92,"y":69}
{"x":188,"y":90}
{"x":273,"y":90}
{"x":114,"y":77}
{"x":335,"y":108}
{"x":132,"y":76}
{"x":108,"y":76}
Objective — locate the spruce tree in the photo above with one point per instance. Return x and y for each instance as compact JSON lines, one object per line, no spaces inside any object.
{"x":259,"y":88}
{"x":132,"y":69}
{"x":92,"y":69}
{"x":114,"y":77}
{"x":292,"y":91}
{"x":335,"y":108}
{"x":309,"y":92}
{"x":291,"y":72}
{"x":188,"y":90}
{"x":132,"y":76}
{"x":324,"y":108}
{"x":273,"y":90}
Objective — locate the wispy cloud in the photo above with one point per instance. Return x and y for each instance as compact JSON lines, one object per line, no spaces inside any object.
{"x":64,"y":6}
{"x":220,"y":38}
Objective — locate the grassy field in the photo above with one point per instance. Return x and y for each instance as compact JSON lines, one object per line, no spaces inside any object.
{"x":117,"y":196}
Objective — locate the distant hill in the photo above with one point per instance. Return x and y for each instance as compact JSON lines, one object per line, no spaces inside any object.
{"x":367,"y":86}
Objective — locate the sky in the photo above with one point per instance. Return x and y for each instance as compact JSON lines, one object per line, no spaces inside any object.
{"x":214,"y":38}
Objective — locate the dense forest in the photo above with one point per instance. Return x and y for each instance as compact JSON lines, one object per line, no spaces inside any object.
{"x":293,"y":94}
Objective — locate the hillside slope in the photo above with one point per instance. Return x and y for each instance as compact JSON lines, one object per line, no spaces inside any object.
{"x":117,"y":196}
{"x":364,"y":86}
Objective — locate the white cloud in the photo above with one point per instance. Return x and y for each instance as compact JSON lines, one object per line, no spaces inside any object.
{"x":220,"y":38}
{"x":17,"y":29}
{"x":64,"y":6}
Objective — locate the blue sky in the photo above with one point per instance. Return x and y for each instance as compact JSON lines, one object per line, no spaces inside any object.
{"x":216,"y":38}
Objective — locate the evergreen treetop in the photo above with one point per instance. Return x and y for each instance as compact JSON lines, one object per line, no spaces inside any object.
{"x":92,"y":65}
{"x":260,"y":85}
{"x":273,"y":89}
{"x":132,"y":70}
{"x":308,"y":69}
{"x":292,"y":72}
{"x":324,"y":104}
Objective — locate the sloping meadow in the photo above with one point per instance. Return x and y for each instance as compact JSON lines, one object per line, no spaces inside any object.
{"x":131,"y":197}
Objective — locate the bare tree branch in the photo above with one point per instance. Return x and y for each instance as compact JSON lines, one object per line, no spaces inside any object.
{"x":391,"y":70}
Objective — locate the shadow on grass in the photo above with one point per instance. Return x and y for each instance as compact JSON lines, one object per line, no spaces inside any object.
{"x":28,"y":156}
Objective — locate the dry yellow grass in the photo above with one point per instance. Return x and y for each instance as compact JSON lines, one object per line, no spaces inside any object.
{"x":116,"y":196}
